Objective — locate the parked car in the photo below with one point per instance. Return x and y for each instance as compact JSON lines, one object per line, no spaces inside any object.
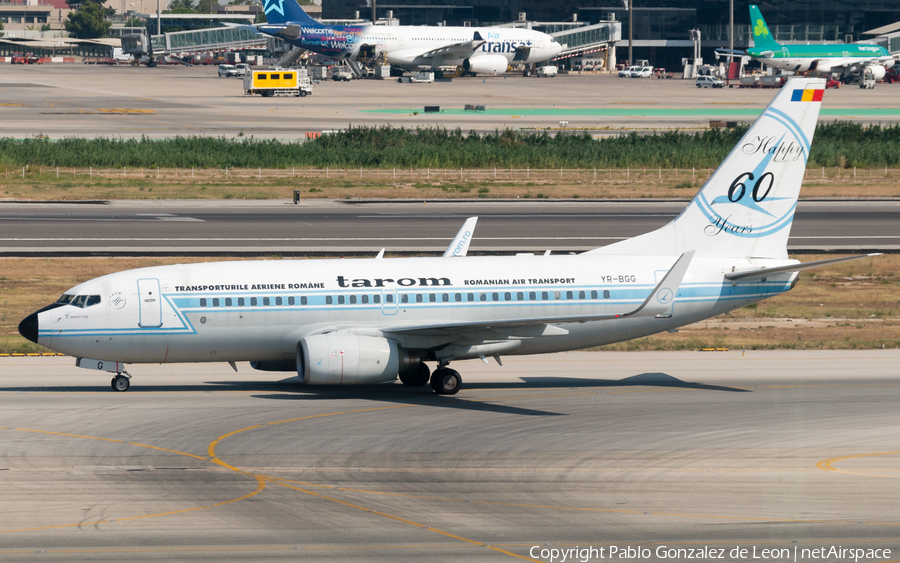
{"x":641,"y":72}
{"x":709,"y":82}
{"x":549,"y":70}
{"x":241,"y":69}
{"x":626,"y":72}
{"x":226,"y":70}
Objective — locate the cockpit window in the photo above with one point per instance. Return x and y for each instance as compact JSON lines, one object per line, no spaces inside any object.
{"x":66,"y":298}
{"x":81,"y":301}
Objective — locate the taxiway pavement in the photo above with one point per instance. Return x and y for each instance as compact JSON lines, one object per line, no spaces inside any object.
{"x":327,"y":226}
{"x":61,"y":101}
{"x":777,"y":449}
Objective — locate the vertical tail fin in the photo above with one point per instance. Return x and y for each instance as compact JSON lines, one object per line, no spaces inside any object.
{"x":746,"y":207}
{"x":762,"y":37}
{"x":288,"y":11}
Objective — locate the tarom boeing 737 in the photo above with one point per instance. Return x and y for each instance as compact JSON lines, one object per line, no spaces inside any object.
{"x":480,"y":50}
{"x":365,"y":321}
{"x":850,"y":59}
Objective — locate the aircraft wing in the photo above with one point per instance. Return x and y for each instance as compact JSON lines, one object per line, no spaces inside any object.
{"x":763,"y":272}
{"x":456,"y":49}
{"x":657,"y":304}
{"x":460,"y":244}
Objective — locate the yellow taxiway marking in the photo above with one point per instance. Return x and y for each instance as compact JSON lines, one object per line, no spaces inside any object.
{"x":827,"y":465}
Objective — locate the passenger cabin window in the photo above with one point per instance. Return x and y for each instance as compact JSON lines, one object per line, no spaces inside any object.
{"x":276,"y":77}
{"x":340,"y":299}
{"x":253,"y":301}
{"x":288,"y":76}
{"x":240,"y":301}
{"x":418,"y":298}
{"x":404,"y":298}
{"x":266,"y":301}
{"x":260,"y":76}
{"x":353,"y":300}
{"x":376,"y":299}
{"x":303,"y":300}
{"x":290,"y":300}
{"x":278,"y":300}
{"x":228,"y":301}
{"x":388,"y":298}
{"x":593,"y":294}
{"x":203,"y":302}
{"x":328,"y":300}
{"x":364,"y":299}
{"x":606,"y":294}
{"x":215,"y":301}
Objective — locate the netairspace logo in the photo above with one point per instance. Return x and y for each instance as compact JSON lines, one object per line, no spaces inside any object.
{"x":792,"y":554}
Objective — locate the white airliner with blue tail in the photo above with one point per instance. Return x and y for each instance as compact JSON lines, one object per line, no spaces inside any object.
{"x":366,"y":321}
{"x":480,"y":50}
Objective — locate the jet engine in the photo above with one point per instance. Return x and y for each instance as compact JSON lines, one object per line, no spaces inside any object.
{"x":340,"y":358}
{"x":486,"y":64}
{"x":875,"y":70}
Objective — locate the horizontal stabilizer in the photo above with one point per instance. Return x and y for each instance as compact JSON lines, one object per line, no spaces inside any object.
{"x":761,"y":273}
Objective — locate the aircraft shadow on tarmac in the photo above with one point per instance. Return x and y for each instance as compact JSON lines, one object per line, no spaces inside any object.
{"x":289,"y":388}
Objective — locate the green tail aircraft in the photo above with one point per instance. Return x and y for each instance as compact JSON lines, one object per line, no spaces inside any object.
{"x":850,"y":59}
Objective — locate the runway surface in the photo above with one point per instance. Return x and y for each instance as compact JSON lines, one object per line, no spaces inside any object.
{"x":60,"y":101}
{"x":768,"y":450}
{"x":320,"y":226}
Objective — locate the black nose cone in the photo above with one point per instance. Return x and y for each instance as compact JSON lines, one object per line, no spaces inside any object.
{"x":29,"y":327}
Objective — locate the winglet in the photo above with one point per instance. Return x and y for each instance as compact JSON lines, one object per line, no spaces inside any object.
{"x":460,"y":244}
{"x":660,"y":301}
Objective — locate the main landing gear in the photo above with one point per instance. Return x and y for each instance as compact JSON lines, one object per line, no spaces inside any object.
{"x":444,"y":381}
{"x":120,"y":383}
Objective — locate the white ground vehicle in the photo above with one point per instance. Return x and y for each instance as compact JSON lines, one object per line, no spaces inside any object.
{"x":709,"y":82}
{"x":421,"y":77}
{"x":341,"y":73}
{"x":226,"y":70}
{"x":626,"y":72}
{"x":641,"y":72}
{"x":549,"y":71}
{"x":241,"y":69}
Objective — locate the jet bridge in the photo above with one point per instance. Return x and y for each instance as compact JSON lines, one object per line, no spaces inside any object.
{"x":587,"y":39}
{"x":181,"y":43}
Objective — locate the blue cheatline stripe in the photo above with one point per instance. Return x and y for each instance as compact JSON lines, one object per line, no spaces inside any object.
{"x":692,"y":293}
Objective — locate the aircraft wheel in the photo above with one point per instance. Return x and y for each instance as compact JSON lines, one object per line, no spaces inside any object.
{"x":120,"y":383}
{"x":446,"y":381}
{"x":438,"y":74}
{"x":416,"y":377}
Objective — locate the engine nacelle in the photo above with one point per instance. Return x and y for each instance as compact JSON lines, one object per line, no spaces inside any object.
{"x":486,"y":64}
{"x":875,"y":70}
{"x":340,"y":358}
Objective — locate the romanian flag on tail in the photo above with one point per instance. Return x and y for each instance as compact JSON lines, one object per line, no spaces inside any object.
{"x":807,"y":95}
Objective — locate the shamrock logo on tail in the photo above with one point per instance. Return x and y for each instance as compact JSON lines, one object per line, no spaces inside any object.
{"x":760,"y":28}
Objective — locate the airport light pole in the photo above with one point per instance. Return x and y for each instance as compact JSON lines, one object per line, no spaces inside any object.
{"x":731,"y":25}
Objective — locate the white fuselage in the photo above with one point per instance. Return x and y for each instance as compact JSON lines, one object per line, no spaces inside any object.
{"x":240,"y":311}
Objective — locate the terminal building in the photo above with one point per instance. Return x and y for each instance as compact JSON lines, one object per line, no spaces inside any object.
{"x":660,"y":28}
